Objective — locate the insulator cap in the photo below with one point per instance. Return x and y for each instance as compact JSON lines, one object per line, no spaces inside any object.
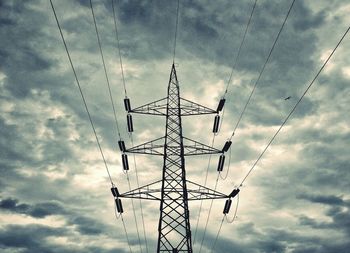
{"x":127,"y":104}
{"x":216,"y":124}
{"x":121,"y":145}
{"x":115,"y":191}
{"x":119,"y":205}
{"x":227,"y":146}
{"x":221,"y":105}
{"x":227,"y":206}
{"x":234,"y":193}
{"x":130,"y":125}
{"x":221,"y":163}
{"x":125,"y":162}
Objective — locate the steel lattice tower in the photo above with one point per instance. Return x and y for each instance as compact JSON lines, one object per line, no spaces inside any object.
{"x":174,"y":225}
{"x":173,"y":190}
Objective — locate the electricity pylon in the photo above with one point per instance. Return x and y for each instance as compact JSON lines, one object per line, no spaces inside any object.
{"x":173,"y":190}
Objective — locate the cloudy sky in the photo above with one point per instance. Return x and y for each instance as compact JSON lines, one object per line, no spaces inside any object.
{"x":55,"y":194}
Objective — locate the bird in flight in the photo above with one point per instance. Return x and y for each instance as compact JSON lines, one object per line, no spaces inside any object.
{"x":287,"y":98}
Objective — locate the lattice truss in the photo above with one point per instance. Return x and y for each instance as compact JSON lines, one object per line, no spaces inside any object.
{"x":173,"y":190}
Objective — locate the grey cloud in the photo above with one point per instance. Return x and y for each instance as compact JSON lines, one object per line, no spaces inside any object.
{"x":324,"y":199}
{"x":34,"y":238}
{"x":33,"y":58}
{"x":39,"y":210}
{"x":87,"y":226}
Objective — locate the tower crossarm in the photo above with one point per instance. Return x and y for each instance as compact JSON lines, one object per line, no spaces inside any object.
{"x":157,"y":107}
{"x":152,"y":191}
{"x":200,"y":192}
{"x":192,"y":147}
{"x":189,"y":108}
{"x":154,"y":147}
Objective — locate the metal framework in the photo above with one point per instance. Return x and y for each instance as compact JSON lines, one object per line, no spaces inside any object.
{"x":173,"y":190}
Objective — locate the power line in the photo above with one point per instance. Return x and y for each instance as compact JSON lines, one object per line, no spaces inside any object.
{"x":207,"y":221}
{"x":125,"y":231}
{"x":226,"y":90}
{"x":138,"y":186}
{"x":123,"y":222}
{"x":81,"y":93}
{"x":134,"y":212}
{"x":205,"y":184}
{"x":112,"y":102}
{"x":114,"y":111}
{"x":262,"y":70}
{"x":222,"y":221}
{"x":217,"y":235}
{"x":260,"y":74}
{"x":130,"y":136}
{"x":105,"y":69}
{"x":177,"y":22}
{"x":118,"y":46}
{"x":295,"y":106}
{"x":88,"y":113}
{"x":240,"y":48}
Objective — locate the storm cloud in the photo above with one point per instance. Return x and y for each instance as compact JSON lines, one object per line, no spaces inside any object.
{"x":55,"y":194}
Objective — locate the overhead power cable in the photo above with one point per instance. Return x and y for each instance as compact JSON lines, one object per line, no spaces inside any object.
{"x":134,"y":212}
{"x":81,"y":93}
{"x":240,"y":48}
{"x":205,"y":184}
{"x":214,"y":135}
{"x":114,"y":111}
{"x":262,"y":70}
{"x":176,"y":25}
{"x":295,"y":106}
{"x":138,"y":186}
{"x":125,"y":231}
{"x":207,"y":220}
{"x":260,"y":74}
{"x":88,"y":113}
{"x":222,"y":221}
{"x":118,"y":46}
{"x":105,"y":70}
{"x":130,"y":136}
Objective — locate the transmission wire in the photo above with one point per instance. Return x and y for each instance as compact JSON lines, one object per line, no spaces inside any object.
{"x":81,"y":93}
{"x":112,"y":102}
{"x":88,"y":113}
{"x":138,"y":186}
{"x":130,"y":136}
{"x":207,"y":221}
{"x":134,"y":212}
{"x":223,"y":113}
{"x":222,"y":221}
{"x":118,"y":45}
{"x":125,"y":231}
{"x":105,"y":69}
{"x":291,"y":112}
{"x":205,"y":183}
{"x":176,"y":26}
{"x":217,"y":235}
{"x":240,"y":48}
{"x":262,"y":70}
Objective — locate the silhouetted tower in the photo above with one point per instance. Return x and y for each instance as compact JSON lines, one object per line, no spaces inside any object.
{"x":173,"y":190}
{"x":174,"y":225}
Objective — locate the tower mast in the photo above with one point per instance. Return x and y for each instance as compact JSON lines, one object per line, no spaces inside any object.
{"x":173,"y":190}
{"x":174,"y":225}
